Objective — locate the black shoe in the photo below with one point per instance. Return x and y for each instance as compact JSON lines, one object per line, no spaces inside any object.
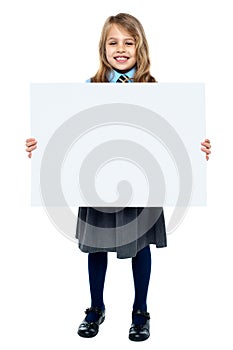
{"x":90,"y":329}
{"x":140,"y":332}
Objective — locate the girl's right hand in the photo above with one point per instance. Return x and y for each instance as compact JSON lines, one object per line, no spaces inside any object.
{"x":31,"y":145}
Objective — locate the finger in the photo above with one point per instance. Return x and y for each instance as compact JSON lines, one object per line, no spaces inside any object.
{"x":30,"y":139}
{"x":29,"y":155}
{"x":206,"y":144}
{"x":206,"y":150}
{"x":30,"y":149}
{"x":32,"y":143}
{"x":207,"y":157}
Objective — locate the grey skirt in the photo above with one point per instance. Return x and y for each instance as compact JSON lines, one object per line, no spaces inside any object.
{"x":122,"y":230}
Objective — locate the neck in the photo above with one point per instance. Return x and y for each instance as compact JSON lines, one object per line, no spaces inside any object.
{"x":123,"y":71}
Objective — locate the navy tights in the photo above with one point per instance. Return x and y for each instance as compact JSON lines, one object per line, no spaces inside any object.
{"x":141,"y":266}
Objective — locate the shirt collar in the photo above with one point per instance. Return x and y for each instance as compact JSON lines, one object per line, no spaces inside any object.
{"x":114,"y":75}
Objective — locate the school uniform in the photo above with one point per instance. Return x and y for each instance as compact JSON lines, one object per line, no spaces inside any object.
{"x":90,"y":219}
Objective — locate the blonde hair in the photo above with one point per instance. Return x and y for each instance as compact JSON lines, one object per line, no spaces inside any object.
{"x":134,"y":27}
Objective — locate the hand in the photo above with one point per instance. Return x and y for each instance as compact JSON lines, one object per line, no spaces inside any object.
{"x":206,"y":148}
{"x":31,"y":145}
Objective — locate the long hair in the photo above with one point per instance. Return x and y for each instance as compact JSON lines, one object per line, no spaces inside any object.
{"x":134,"y":27}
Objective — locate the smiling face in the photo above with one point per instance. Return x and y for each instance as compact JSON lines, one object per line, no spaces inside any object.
{"x":120,"y":49}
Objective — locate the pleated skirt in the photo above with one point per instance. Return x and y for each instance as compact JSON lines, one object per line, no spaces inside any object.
{"x":122,"y":230}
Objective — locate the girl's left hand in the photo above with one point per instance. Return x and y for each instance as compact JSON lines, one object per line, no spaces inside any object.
{"x":206,"y":148}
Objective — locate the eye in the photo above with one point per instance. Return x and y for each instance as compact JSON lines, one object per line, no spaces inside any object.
{"x":112,"y":43}
{"x":129,"y":43}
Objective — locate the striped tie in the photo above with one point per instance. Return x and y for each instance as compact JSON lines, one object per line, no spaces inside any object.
{"x":123,"y":79}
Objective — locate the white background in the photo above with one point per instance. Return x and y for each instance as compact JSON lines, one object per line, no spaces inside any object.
{"x":44,"y":281}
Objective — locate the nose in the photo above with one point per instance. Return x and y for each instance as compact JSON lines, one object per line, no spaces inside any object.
{"x":120,"y":47}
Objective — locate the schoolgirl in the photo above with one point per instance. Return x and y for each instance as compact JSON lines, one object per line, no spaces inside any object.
{"x":124,"y":58}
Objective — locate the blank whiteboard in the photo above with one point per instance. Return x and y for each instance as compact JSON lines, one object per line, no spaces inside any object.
{"x":118,"y":144}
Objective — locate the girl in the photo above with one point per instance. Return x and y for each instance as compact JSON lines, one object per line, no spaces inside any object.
{"x":124,"y":58}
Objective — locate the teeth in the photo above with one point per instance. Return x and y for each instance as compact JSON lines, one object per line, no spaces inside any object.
{"x":121,"y":58}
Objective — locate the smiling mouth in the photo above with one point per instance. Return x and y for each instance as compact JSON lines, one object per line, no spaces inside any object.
{"x":121,"y":59}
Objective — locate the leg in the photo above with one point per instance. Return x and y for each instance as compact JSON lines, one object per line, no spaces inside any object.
{"x":141,"y":265}
{"x":97,"y":266}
